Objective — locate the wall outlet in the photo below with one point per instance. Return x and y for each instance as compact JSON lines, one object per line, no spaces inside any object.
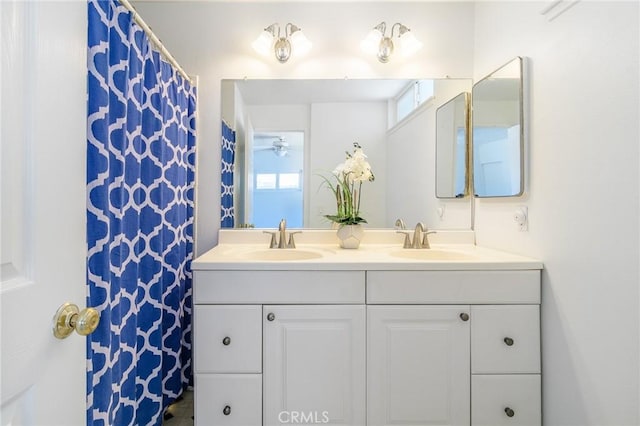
{"x":521,"y":217}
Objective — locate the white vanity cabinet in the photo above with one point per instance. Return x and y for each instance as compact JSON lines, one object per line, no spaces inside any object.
{"x":367,"y":344}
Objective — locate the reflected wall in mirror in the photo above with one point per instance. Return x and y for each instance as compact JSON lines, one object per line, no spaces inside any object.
{"x":452,"y":148}
{"x":329,"y":116}
{"x":498,"y":135}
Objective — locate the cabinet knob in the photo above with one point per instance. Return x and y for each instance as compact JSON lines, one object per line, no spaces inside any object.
{"x":226,"y":410}
{"x":464,"y":316}
{"x":508,"y":341}
{"x":226,"y":341}
{"x":509,"y":412}
{"x":271,"y":316}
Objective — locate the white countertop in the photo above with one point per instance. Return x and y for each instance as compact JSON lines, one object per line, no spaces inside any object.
{"x":380,"y":250}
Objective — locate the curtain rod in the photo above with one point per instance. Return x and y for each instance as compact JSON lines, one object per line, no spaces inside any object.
{"x":156,"y":41}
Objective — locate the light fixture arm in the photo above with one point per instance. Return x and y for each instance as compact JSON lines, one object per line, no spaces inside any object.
{"x":401,"y":29}
{"x":272,"y":29}
{"x":290,"y":28}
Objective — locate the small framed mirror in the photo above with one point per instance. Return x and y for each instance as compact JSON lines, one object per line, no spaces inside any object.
{"x":497,"y":132}
{"x":452,"y":148}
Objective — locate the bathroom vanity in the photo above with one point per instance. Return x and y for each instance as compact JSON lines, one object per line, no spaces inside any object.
{"x":376,"y":336}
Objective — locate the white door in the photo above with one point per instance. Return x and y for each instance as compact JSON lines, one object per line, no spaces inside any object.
{"x":43,"y":121}
{"x":418,"y":365}
{"x":314,"y":364}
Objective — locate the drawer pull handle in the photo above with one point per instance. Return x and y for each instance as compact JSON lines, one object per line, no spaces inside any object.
{"x":509,"y":412}
{"x":226,"y":341}
{"x":508,"y":341}
{"x":226,"y":410}
{"x":271,"y":316}
{"x":464,"y":316}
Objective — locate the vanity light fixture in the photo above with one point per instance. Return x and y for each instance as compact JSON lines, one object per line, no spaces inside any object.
{"x":379,"y":44}
{"x":283,"y":46}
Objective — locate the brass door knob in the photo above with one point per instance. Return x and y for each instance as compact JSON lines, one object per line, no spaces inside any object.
{"x":69,"y":318}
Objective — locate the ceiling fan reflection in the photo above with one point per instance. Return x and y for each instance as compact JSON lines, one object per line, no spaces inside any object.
{"x":279,"y":146}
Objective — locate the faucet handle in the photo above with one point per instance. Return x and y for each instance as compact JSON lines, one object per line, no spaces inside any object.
{"x":273,"y":243}
{"x":292,"y":243}
{"x":425,"y":239}
{"x":407,"y":239}
{"x":400,"y":224}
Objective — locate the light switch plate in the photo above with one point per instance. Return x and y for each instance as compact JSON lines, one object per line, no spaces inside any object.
{"x":521,"y":217}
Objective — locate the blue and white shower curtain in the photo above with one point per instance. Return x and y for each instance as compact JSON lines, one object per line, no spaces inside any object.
{"x":227,"y":211}
{"x":140,"y":205}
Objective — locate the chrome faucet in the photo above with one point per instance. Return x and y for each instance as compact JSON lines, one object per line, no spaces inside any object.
{"x":420,"y":237}
{"x":417,"y":236}
{"x":282,"y":230}
{"x":282,"y":241}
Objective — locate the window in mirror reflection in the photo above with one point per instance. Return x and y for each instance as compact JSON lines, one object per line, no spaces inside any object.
{"x":277,"y":166}
{"x":415,"y":94}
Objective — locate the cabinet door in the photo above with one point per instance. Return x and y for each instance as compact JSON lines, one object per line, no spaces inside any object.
{"x":418,"y":365}
{"x":314,"y":364}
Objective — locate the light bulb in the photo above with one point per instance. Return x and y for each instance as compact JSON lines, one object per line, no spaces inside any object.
{"x":409,"y":44}
{"x":262,"y":44}
{"x":300,"y":44}
{"x":371,"y":42}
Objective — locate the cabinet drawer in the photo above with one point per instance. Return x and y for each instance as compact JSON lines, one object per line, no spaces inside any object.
{"x":453,"y":287}
{"x":313,"y":287}
{"x":505,"y":339}
{"x":512,"y":400}
{"x":227,"y":338}
{"x":228,"y":399}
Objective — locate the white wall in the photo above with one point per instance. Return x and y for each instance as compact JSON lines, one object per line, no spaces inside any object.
{"x":213,"y":40}
{"x":334,"y":129}
{"x":583,"y":197}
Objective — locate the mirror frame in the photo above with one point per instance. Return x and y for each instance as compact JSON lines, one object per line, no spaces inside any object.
{"x":521,"y":101}
{"x":467,"y":140}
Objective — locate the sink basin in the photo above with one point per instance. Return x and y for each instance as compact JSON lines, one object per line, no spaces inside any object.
{"x":431,"y":254}
{"x":280,"y":254}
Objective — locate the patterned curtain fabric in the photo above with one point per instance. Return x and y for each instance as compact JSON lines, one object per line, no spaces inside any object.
{"x":227,"y":212}
{"x":140,"y":204}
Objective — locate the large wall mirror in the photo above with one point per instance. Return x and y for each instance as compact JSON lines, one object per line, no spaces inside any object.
{"x":452,"y":148}
{"x":289,"y":133}
{"x":498,"y":135}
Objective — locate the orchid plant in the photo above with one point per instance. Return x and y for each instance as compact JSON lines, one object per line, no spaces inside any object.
{"x":347,"y":189}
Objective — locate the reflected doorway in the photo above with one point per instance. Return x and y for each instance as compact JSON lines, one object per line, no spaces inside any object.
{"x":277,"y":172}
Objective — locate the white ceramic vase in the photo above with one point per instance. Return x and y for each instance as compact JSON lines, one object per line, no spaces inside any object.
{"x":350,"y":236}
